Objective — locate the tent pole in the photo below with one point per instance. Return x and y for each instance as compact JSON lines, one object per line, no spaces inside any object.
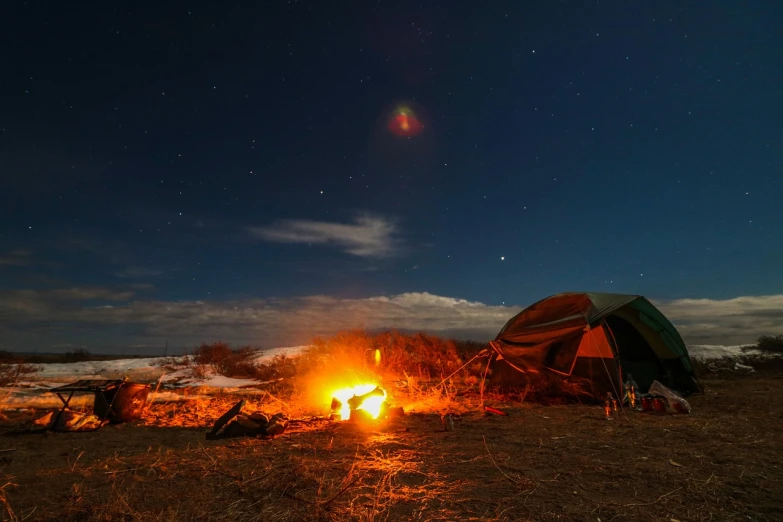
{"x":480,"y":354}
{"x":484,"y":379}
{"x":608,"y":373}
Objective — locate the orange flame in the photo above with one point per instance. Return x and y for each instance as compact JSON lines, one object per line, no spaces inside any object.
{"x":371,"y":405}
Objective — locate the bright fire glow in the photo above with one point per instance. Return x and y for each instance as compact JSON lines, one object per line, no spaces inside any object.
{"x":371,"y":405}
{"x":377,"y":357}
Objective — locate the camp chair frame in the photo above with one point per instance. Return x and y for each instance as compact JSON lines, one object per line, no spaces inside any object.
{"x":98,"y":387}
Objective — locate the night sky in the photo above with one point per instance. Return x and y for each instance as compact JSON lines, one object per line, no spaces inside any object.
{"x":194,"y":171}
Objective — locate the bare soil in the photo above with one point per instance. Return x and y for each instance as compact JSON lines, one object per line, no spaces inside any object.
{"x":722,"y":462}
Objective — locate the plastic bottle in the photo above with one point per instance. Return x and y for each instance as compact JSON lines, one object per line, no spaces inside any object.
{"x":608,"y":406}
{"x":615,"y":411}
{"x":630,"y":391}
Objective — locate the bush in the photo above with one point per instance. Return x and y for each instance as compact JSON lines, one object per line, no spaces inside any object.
{"x":11,"y":374}
{"x":240,"y":363}
{"x":224,"y":360}
{"x":214,"y":355}
{"x":770,"y":344}
{"x":423,"y":355}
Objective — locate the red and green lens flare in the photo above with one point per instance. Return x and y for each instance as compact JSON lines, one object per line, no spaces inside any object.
{"x":404,"y":122}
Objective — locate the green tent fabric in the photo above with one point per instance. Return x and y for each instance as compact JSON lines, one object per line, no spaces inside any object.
{"x":598,"y":337}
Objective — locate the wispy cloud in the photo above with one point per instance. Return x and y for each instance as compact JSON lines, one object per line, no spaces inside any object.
{"x":367,"y":236}
{"x":18,"y":257}
{"x":269,"y":322}
{"x":100,"y":317}
{"x":35,"y":306}
{"x":725,"y":321}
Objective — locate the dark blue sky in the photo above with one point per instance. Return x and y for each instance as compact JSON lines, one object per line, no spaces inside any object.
{"x":159,"y":157}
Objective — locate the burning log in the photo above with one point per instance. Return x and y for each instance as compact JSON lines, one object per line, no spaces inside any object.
{"x":366,"y":398}
{"x":357,"y":401}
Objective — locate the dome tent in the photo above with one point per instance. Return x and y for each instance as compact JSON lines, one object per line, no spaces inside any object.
{"x":601,"y":338}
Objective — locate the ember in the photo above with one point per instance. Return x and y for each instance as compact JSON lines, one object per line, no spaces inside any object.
{"x":367,"y":397}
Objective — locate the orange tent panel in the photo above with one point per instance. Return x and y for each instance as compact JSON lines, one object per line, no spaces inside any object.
{"x":595,"y":344}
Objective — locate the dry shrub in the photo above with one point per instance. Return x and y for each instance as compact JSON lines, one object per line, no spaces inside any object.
{"x":425,"y":356}
{"x":12,"y":373}
{"x":769,"y":344}
{"x":224,"y":360}
{"x":240,"y":363}
{"x":416,"y":363}
{"x":214,"y":355}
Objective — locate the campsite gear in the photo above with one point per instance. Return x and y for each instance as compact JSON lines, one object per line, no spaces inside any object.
{"x":225,"y":418}
{"x":608,"y":406}
{"x":630,"y":391}
{"x":614,"y":407}
{"x":647,"y":404}
{"x":234,"y":423}
{"x":495,"y":411}
{"x":592,"y":337}
{"x":125,"y":403}
{"x":676,"y":403}
{"x":448,"y":422}
{"x":98,"y":387}
{"x":659,"y":405}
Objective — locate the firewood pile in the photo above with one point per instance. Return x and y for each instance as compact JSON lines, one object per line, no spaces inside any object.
{"x":234,"y":423}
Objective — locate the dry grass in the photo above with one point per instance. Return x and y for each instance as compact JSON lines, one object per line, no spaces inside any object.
{"x":722,"y":462}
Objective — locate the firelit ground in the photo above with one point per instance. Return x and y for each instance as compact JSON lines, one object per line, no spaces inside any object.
{"x":722,"y":462}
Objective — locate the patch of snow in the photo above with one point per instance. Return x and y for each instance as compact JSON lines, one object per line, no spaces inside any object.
{"x":714,"y":351}
{"x":136,"y":369}
{"x":266,"y":356}
{"x":221,"y":381}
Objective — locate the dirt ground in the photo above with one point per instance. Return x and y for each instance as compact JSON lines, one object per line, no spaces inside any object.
{"x":722,"y":462}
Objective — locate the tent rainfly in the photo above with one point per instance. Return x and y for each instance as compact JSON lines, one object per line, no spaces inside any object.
{"x":601,"y":338}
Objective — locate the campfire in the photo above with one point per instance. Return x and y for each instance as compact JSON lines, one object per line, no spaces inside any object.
{"x":369,"y":398}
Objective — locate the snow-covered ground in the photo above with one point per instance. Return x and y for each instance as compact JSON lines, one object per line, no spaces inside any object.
{"x":148,"y":369}
{"x":713,"y":351}
{"x":171,"y":372}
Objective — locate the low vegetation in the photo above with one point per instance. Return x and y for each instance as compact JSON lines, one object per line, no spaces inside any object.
{"x":14,"y":369}
{"x":767,"y":344}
